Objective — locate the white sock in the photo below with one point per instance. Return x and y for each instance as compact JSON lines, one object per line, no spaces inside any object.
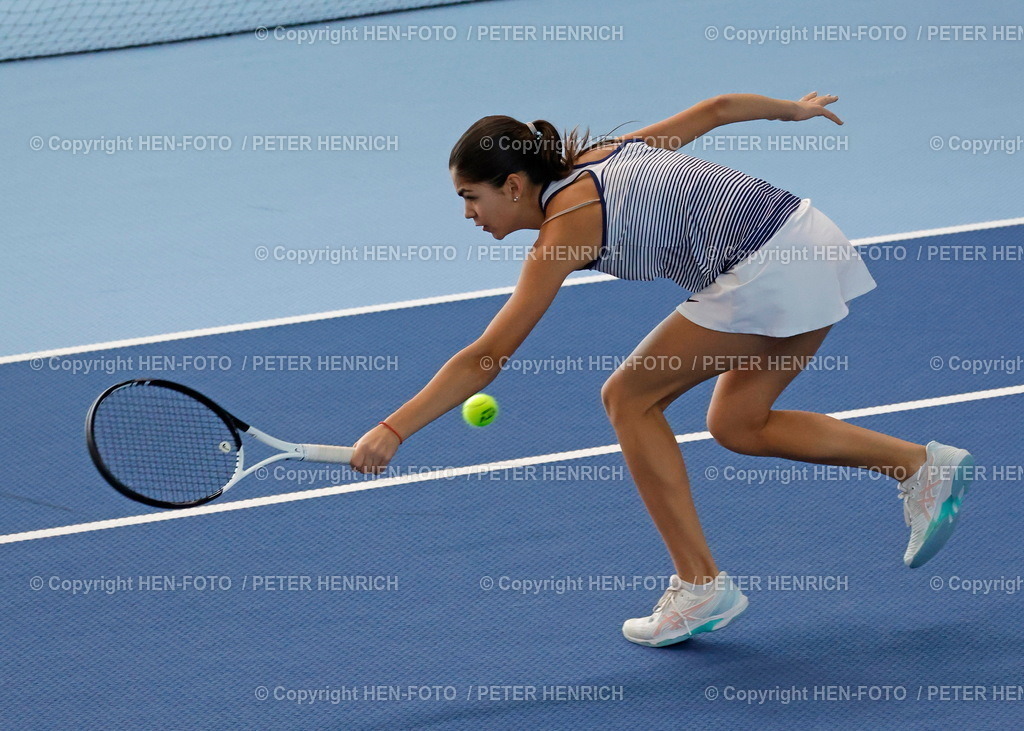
{"x":699,"y":588}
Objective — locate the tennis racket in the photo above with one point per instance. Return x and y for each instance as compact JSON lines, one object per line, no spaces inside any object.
{"x":168,"y":446}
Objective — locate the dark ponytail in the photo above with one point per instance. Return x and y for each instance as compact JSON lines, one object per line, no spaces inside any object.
{"x":497,"y":146}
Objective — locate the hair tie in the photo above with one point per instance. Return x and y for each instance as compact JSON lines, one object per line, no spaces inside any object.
{"x":534,"y":131}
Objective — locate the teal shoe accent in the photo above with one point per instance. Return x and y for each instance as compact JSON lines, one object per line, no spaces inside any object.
{"x":942,"y":525}
{"x":706,"y":627}
{"x":710,"y":626}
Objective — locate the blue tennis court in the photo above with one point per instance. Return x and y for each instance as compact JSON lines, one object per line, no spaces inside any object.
{"x":494,"y":598}
{"x":483,"y":580}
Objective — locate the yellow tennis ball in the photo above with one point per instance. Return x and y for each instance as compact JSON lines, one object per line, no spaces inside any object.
{"x":479,"y":409}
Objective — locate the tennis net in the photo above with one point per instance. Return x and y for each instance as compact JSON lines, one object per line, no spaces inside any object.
{"x":32,"y":28}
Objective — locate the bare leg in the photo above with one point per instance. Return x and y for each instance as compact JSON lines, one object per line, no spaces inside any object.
{"x":741,"y":419}
{"x":678,"y":355}
{"x":656,"y":465}
{"x":667,"y":363}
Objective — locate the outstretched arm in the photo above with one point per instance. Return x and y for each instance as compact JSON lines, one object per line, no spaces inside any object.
{"x":701,"y":118}
{"x":746,"y":107}
{"x":472,"y":368}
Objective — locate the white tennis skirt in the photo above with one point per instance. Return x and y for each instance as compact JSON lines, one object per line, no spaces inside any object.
{"x":799,"y":280}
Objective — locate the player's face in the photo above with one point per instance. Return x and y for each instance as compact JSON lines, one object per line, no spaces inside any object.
{"x":488,"y":206}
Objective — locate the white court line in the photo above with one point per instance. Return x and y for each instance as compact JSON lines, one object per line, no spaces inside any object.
{"x":294,"y":320}
{"x":291,"y":497}
{"x":440,"y":299}
{"x":983,"y":226}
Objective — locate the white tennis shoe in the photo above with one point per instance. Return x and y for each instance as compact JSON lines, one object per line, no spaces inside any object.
{"x":681,"y":613}
{"x":932,"y":498}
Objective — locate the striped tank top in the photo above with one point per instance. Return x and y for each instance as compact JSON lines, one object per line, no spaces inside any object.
{"x":669,"y":215}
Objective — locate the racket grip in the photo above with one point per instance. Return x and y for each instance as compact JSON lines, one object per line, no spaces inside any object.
{"x":327,"y":453}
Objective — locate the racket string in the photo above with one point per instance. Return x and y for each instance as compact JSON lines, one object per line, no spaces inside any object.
{"x":164,"y":444}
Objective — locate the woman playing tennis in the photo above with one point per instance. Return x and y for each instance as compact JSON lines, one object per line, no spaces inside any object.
{"x":770,"y":275}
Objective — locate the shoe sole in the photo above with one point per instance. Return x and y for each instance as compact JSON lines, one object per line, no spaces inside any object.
{"x":942,"y":525}
{"x":709,"y":626}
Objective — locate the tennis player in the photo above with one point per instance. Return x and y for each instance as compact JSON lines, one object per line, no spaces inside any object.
{"x":769,"y":276}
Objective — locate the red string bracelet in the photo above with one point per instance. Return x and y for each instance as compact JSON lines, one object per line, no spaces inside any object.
{"x":400,"y":440}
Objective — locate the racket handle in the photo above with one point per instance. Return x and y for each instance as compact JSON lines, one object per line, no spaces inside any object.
{"x":327,"y":453}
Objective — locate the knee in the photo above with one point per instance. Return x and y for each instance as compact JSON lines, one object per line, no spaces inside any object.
{"x":737,"y":435}
{"x":621,"y":397}
{"x":614,"y":394}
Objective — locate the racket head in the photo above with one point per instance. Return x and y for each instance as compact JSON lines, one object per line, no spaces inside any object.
{"x":163,"y":444}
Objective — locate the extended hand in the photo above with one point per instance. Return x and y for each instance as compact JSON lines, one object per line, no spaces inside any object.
{"x":374,"y":450}
{"x":813,"y":105}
